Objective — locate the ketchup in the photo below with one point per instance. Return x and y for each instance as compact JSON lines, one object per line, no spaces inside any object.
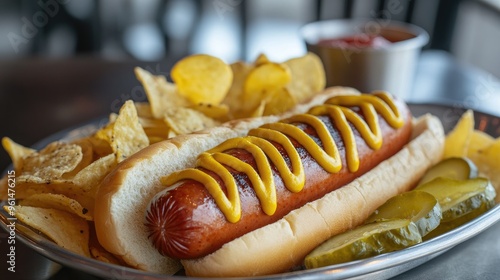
{"x":356,"y":41}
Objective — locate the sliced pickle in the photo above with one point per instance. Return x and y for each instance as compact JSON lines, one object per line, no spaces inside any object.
{"x":460,"y":200}
{"x":365,"y":241}
{"x":448,"y":225}
{"x":459,"y":197}
{"x":457,"y":168}
{"x":420,"y":207}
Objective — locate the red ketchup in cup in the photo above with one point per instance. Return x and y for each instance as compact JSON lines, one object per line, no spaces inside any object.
{"x":356,"y":41}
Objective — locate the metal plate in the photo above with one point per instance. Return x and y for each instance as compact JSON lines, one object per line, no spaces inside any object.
{"x":380,"y":267}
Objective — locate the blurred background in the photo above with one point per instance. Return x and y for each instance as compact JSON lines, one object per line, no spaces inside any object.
{"x":150,"y":30}
{"x":65,"y":62}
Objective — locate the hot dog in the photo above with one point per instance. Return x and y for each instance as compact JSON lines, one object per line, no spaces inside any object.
{"x":284,"y":233}
{"x":125,"y":193}
{"x":187,"y":223}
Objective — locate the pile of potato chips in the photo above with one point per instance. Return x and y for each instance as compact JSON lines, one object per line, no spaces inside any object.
{"x":206,"y":91}
{"x":481,"y":148}
{"x":56,"y":186}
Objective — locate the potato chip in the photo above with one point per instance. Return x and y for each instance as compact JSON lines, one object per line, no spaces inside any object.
{"x":101,"y":139}
{"x":31,"y":179}
{"x":155,"y":139}
{"x":88,"y":181}
{"x":185,"y":120}
{"x":104,"y":133}
{"x":261,"y":81}
{"x":100,"y":147}
{"x":57,"y":201}
{"x":92,"y":175}
{"x":257,"y":112}
{"x":26,"y":187}
{"x":144,"y":110}
{"x":85,"y":197}
{"x":479,"y":141}
{"x":488,"y":164}
{"x":87,"y":157}
{"x":202,"y":78}
{"x":112,"y":117}
{"x":16,"y":152}
{"x":52,"y":161}
{"x":66,"y":230}
{"x":458,"y":139}
{"x":128,"y":136}
{"x":278,"y":101}
{"x":234,"y":96}
{"x":308,"y":76}
{"x":267,"y":76}
{"x":152,"y":123}
{"x":217,"y":112}
{"x":261,"y":59}
{"x":4,"y":188}
{"x":161,"y":94}
{"x":155,"y":128}
{"x":98,"y":252}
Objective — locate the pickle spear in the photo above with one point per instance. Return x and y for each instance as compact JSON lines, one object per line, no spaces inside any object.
{"x":460,"y":200}
{"x":365,"y":241}
{"x":420,"y":207}
{"x":457,"y":168}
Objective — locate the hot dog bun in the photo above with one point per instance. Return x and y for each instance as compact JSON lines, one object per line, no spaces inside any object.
{"x":284,"y":244}
{"x":125,"y":193}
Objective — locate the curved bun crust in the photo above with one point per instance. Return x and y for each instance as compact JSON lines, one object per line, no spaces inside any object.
{"x":125,"y":193}
{"x":282,"y":245}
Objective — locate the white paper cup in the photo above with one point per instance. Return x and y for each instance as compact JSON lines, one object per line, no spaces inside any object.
{"x":390,"y":68}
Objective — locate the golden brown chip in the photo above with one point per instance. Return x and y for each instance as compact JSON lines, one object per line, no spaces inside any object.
{"x":479,"y":141}
{"x":100,"y":147}
{"x":57,"y":201}
{"x":261,"y":81}
{"x":161,"y":94}
{"x":30,"y":179}
{"x":258,"y":112}
{"x":185,"y":120}
{"x":52,"y":161}
{"x":155,"y":128}
{"x":105,"y":132}
{"x":308,"y":76}
{"x":88,"y":181}
{"x":487,"y":161}
{"x":87,"y":157}
{"x":98,"y":252}
{"x":92,"y":175}
{"x":128,"y":136}
{"x":261,"y":59}
{"x":217,"y":112}
{"x":155,"y":139}
{"x":202,"y":78}
{"x":458,"y":139}
{"x":143,"y":110}
{"x":279,"y":101}
{"x":112,"y":117}
{"x":66,"y":230}
{"x":4,"y":188}
{"x":234,"y":96}
{"x":16,"y":152}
